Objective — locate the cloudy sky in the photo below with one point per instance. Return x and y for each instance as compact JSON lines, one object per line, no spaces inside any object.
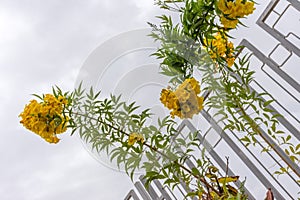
{"x":45,"y":43}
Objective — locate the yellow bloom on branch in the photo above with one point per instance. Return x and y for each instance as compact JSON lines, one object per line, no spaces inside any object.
{"x":184,"y":102}
{"x":221,"y":48}
{"x":231,"y":11}
{"x":230,"y":61}
{"x":228,"y":23}
{"x":46,"y":118}
{"x":135,"y":137}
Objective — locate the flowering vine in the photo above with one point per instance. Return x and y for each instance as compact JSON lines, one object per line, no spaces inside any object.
{"x":46,"y":118}
{"x":200,"y":41}
{"x":184,"y":101}
{"x":231,"y":11}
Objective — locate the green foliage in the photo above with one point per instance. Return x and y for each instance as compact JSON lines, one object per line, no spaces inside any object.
{"x":176,"y":52}
{"x":184,"y":49}
{"x":198,"y":19}
{"x":108,"y":124}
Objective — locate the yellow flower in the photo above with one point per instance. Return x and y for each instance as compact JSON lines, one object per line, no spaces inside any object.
{"x":186,"y":108}
{"x":45,"y":118}
{"x":231,"y":11}
{"x":222,"y":6}
{"x":221,"y":48}
{"x":230,"y":61}
{"x":228,"y":23}
{"x":164,"y":96}
{"x":183,"y":102}
{"x":200,"y":103}
{"x":135,"y":137}
{"x":183,"y":95}
{"x":62,"y":100}
{"x":249,"y":8}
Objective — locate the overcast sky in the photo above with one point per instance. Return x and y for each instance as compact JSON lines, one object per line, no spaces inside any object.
{"x":45,"y":43}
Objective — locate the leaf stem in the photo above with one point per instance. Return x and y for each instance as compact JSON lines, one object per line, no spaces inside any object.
{"x":201,"y":179}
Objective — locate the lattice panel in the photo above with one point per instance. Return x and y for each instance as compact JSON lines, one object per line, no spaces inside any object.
{"x":278,"y":73}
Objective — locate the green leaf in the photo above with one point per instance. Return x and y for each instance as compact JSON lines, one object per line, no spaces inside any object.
{"x":298,"y":147}
{"x":245,"y":139}
{"x":195,"y":171}
{"x":39,"y":97}
{"x":294,"y":158}
{"x":292,"y":149}
{"x":228,"y":179}
{"x":287,"y":152}
{"x":266,"y":103}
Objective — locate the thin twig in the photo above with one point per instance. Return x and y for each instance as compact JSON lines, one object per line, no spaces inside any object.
{"x":201,"y":179}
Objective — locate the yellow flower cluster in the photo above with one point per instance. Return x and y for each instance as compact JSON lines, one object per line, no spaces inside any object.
{"x":45,"y":118}
{"x":135,"y":137}
{"x":221,"y":48}
{"x":233,"y":10}
{"x":184,"y":102}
